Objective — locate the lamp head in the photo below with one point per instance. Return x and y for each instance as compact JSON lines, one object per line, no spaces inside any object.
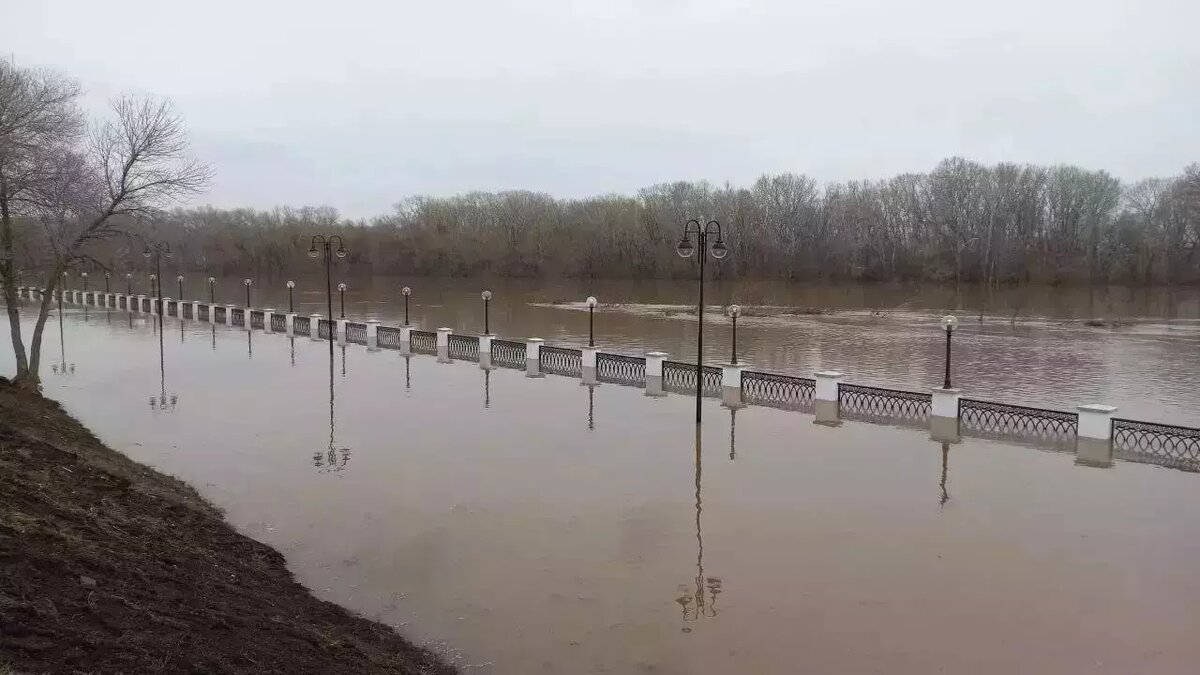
{"x":179,"y":278}
{"x":83,"y":274}
{"x":735,"y":311}
{"x":949,"y":322}
{"x":486,"y":295}
{"x":341,"y":251}
{"x":212,"y":280}
{"x":291,"y":284}
{"x":406,"y":290}
{"x":719,"y":249}
{"x":247,"y":281}
{"x":591,"y":301}
{"x":146,"y":253}
{"x":342,"y":287}
{"x":128,"y":275}
{"x":312,"y":251}
{"x":685,"y":248}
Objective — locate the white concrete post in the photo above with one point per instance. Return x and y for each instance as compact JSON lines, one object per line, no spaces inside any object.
{"x":588,"y":371}
{"x":731,"y":384}
{"x":943,"y":418}
{"x":825,"y":397}
{"x":485,"y":351}
{"x":654,"y":369}
{"x":341,"y":331}
{"x":314,"y":327}
{"x":229,"y":314}
{"x":268,"y":315}
{"x":138,"y":300}
{"x":1093,"y":445}
{"x":290,"y":322}
{"x":533,"y":356}
{"x":372,"y":335}
{"x":443,"y":345}
{"x":195,"y":310}
{"x":405,"y":339}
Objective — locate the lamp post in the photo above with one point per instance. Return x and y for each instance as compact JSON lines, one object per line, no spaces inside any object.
{"x":291,"y":305}
{"x":591,"y":303}
{"x":685,"y":249}
{"x":247,"y":283}
{"x":212,"y":282}
{"x":180,"y":280}
{"x":326,"y":243}
{"x":342,"y":299}
{"x":734,"y":313}
{"x":487,"y":299}
{"x":407,"y":292}
{"x":128,"y":288}
{"x":107,"y":276}
{"x":949,"y":323}
{"x":85,"y":286}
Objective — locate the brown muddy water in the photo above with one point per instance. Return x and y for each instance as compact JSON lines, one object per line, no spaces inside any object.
{"x":537,"y":525}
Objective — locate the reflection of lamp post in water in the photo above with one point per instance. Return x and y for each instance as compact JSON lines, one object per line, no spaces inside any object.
{"x":163,"y":401}
{"x":331,"y":459}
{"x":718,"y":250}
{"x":945,"y":496}
{"x":698,"y":604}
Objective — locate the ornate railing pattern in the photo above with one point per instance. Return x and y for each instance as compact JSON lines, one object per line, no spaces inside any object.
{"x":356,"y":332}
{"x":423,"y":341}
{"x":508,"y":353}
{"x":278,"y":322}
{"x":680,"y":378}
{"x":464,"y":347}
{"x":621,"y":369}
{"x":324,"y":328}
{"x":388,"y":337}
{"x":256,"y":318}
{"x":986,"y":418}
{"x":219,"y":313}
{"x":878,"y":404}
{"x":1165,"y":444}
{"x":302,"y":325}
{"x":777,"y":391}
{"x":561,"y":361}
{"x":239,"y":316}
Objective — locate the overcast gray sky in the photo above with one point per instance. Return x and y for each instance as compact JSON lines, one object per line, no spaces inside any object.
{"x":356,"y":103}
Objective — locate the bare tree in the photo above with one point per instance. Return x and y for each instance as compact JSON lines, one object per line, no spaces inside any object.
{"x":132,"y":165}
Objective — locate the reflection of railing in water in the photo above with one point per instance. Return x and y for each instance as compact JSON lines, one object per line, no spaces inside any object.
{"x":681,"y":378}
{"x":1003,"y":420}
{"x":278,"y":322}
{"x":356,"y":332}
{"x":302,"y":325}
{"x":621,"y":369}
{"x":508,"y":354}
{"x":1164,"y":444}
{"x":777,"y":391}
{"x":463,"y":347}
{"x":423,"y":341}
{"x":389,"y":338}
{"x":878,"y":404}
{"x":561,"y":361}
{"x":256,"y":318}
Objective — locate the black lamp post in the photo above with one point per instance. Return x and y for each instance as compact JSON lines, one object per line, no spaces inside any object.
{"x":734,"y":313}
{"x":342,"y":299}
{"x":247,"y":283}
{"x":487,"y":299}
{"x":128,"y":288}
{"x":407,"y":292}
{"x":85,"y":286}
{"x":685,"y":249}
{"x":212,"y":282}
{"x":291,"y":305}
{"x":326,"y":243}
{"x":949,"y":323}
{"x":591,"y":303}
{"x":107,"y":276}
{"x":180,"y":280}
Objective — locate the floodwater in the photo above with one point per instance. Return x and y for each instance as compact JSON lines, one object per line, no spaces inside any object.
{"x":528,"y":525}
{"x":877,"y":335}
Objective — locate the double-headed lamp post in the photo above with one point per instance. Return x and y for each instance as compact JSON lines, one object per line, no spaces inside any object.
{"x":291,"y":285}
{"x":247,"y":283}
{"x":693,"y":230}
{"x":949,"y":323}
{"x":342,"y":298}
{"x":326,"y":243}
{"x":734,"y":312}
{"x":407,"y":292}
{"x":487,"y":299}
{"x":591,"y":303}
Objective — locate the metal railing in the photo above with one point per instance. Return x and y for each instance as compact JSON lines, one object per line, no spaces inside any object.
{"x":278,"y":322}
{"x":879,"y":404}
{"x":777,"y":391}
{"x":680,"y":378}
{"x":356,"y":333}
{"x":423,"y":341}
{"x":324,"y":329}
{"x":621,"y":369}
{"x":1004,"y":420}
{"x":561,"y":361}
{"x":388,"y":337}
{"x":239,"y":316}
{"x":508,"y":354}
{"x":302,"y":325}
{"x":1165,"y":444}
{"x":465,"y":347}
{"x":256,"y":318}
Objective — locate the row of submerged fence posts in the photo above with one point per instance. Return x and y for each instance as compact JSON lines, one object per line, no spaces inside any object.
{"x":1093,"y":434}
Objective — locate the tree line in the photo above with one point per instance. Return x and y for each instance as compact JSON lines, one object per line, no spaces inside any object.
{"x":961,"y":222}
